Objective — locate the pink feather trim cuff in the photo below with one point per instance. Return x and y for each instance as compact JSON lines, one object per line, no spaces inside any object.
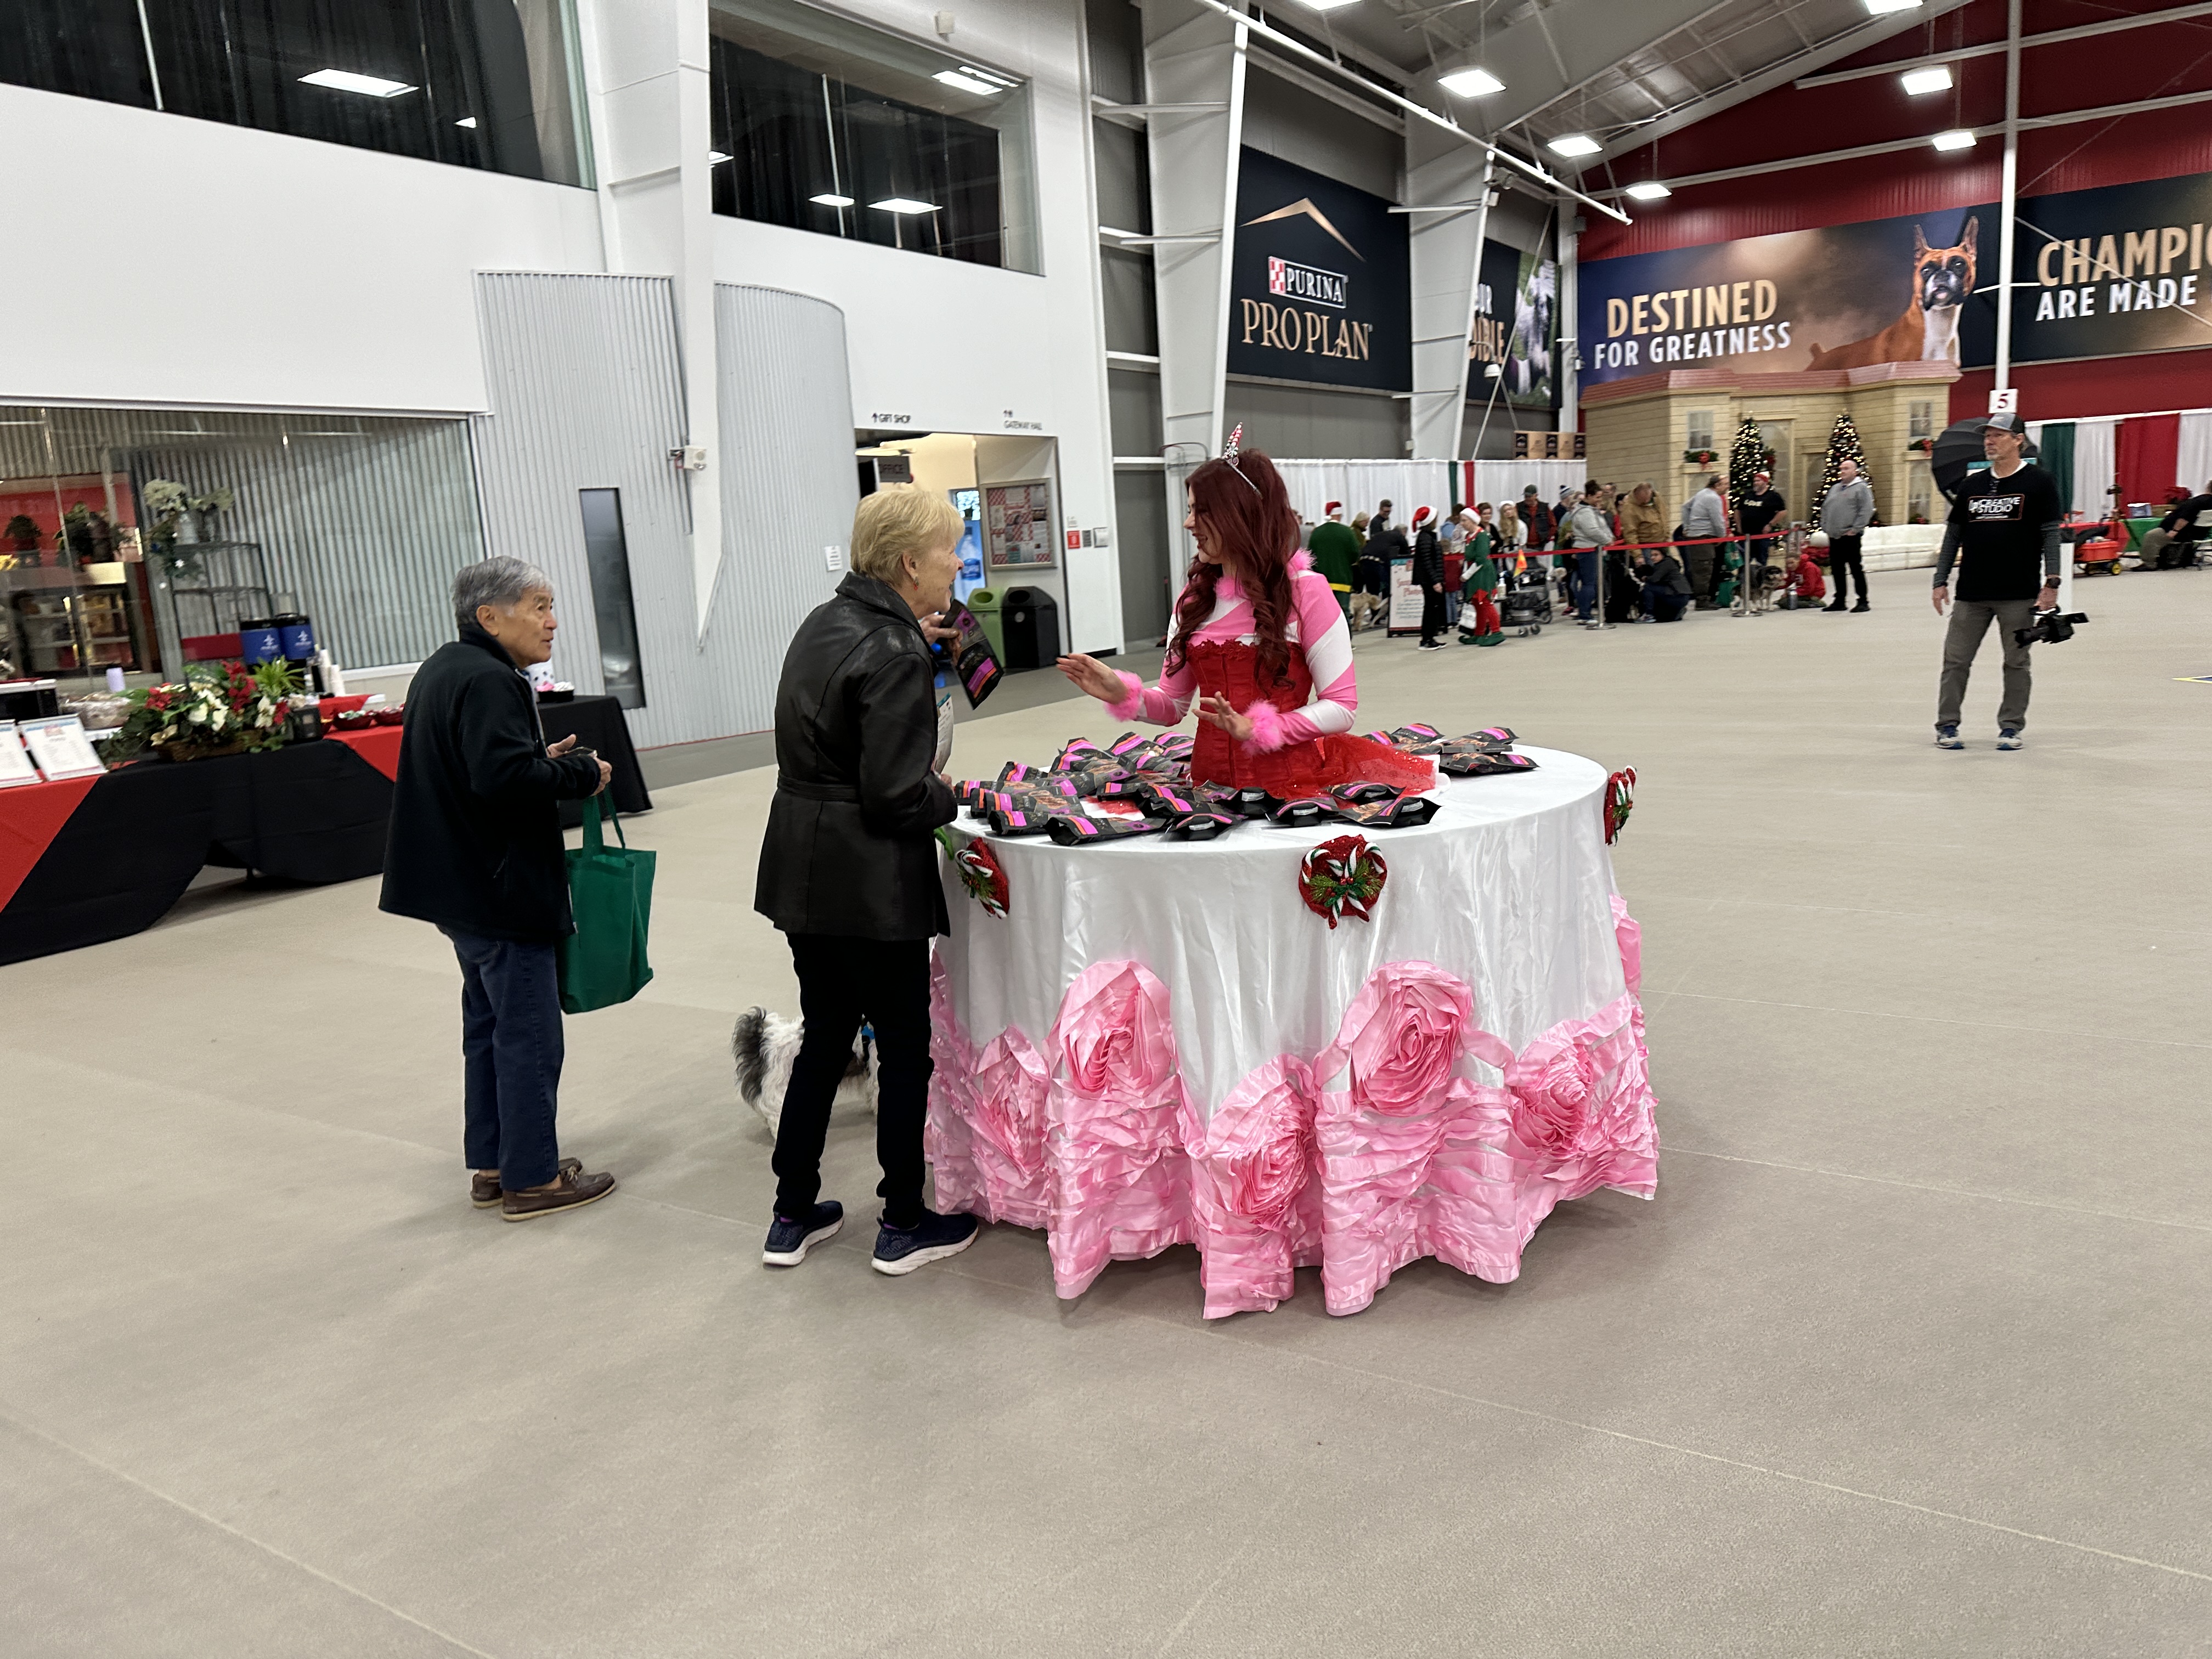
{"x":1270,"y":729}
{"x":1131,"y":705}
{"x":1301,"y":560}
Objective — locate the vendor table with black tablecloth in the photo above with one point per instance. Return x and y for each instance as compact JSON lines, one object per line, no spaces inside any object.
{"x":597,"y":722}
{"x":90,"y":859}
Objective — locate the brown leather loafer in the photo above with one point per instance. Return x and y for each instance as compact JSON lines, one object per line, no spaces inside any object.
{"x":484,"y":1189}
{"x":570,"y":1190}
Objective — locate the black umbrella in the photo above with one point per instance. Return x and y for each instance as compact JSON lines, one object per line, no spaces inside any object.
{"x":1958,"y":450}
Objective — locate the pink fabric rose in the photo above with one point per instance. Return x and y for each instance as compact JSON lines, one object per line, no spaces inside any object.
{"x":1009,"y":1100}
{"x":1404,"y":1033}
{"x":1114,"y":1033}
{"x":1276,"y":1156}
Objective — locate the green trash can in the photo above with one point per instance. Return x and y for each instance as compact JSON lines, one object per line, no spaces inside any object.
{"x":984,"y":602}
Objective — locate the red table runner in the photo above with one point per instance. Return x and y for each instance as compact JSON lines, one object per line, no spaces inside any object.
{"x":31,"y":816}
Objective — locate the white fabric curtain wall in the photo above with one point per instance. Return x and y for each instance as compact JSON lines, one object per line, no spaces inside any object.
{"x":1361,"y":485}
{"x":2193,"y":459}
{"x":2094,"y":462}
{"x":1497,"y":481}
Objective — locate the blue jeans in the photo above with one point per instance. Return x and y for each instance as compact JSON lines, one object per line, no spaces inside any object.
{"x":511,"y":1054}
{"x":1582,"y":580}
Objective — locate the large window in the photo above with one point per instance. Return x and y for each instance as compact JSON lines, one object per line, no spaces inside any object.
{"x":822,"y":125}
{"x":478,"y":83}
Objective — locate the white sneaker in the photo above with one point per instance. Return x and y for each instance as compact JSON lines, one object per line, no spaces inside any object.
{"x":2008,"y":736}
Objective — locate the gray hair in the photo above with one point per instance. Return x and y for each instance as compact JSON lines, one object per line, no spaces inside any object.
{"x":495,"y":581}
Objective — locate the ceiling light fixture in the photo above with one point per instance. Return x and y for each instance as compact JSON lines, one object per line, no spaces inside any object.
{"x":1650,"y":191}
{"x":903,"y":204}
{"x":468,"y":121}
{"x":715,"y":158}
{"x":1919,"y":81}
{"x":1957,"y":138}
{"x":830,"y":199}
{"x":964,"y":82}
{"x":1324,"y":5}
{"x":1471,"y":82}
{"x":1574,"y":143}
{"x":1883,"y":7}
{"x":347,"y":80}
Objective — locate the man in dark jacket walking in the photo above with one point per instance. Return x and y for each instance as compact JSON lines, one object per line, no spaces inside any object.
{"x":849,"y":870}
{"x":1428,"y":577}
{"x":475,"y":848}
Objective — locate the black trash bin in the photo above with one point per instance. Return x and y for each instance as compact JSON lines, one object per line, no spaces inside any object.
{"x":1030,"y":619}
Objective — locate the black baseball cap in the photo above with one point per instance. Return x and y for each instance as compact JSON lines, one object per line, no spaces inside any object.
{"x":2009,"y":420}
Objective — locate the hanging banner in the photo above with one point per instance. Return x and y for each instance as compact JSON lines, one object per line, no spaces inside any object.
{"x":2103,"y":272}
{"x":1318,"y":281}
{"x":1516,"y":326}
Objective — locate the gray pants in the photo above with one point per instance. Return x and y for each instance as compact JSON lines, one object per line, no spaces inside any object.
{"x":1970,"y":620}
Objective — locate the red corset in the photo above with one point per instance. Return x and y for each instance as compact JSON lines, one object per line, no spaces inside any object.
{"x":1230,"y":669}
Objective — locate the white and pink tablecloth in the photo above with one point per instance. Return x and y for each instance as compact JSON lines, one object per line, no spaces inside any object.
{"x":1161,"y":1044}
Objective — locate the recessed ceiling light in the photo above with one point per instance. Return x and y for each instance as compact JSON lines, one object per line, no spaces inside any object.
{"x":1650,"y":191}
{"x":715,"y":158}
{"x":1471,"y":82}
{"x":468,"y":121}
{"x":347,"y":80}
{"x":1324,"y":5}
{"x":903,"y":204}
{"x":1883,"y":7}
{"x":830,"y":199}
{"x":1575,"y":143}
{"x":1937,"y":79}
{"x":964,"y":82}
{"x":1958,"y":138}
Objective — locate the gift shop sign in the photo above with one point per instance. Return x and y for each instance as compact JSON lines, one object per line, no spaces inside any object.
{"x":1317,"y":281}
{"x":2098,"y":273}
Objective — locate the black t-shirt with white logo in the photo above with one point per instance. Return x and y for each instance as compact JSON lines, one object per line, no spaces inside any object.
{"x":2001,"y":533}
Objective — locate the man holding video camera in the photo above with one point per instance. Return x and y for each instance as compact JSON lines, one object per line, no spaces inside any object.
{"x":2002,"y":533}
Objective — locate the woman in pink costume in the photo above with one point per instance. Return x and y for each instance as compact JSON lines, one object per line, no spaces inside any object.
{"x":1259,"y":640}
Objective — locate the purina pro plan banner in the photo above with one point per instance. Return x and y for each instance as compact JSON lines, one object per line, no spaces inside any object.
{"x":2105,"y":272}
{"x":1318,"y":282}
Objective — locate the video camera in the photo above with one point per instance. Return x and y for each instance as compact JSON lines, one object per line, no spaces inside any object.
{"x":2051,"y":628}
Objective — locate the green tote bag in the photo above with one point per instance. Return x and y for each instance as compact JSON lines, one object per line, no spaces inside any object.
{"x":610,"y":889}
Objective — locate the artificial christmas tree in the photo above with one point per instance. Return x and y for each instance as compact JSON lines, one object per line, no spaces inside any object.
{"x":1746,"y":456}
{"x":1843,"y":445}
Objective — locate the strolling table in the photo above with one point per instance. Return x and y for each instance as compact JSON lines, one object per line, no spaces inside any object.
{"x":88,"y":860}
{"x":1148,"y":1043}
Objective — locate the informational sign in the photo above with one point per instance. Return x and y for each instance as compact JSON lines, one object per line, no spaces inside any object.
{"x":1406,"y":599}
{"x":1318,"y":282}
{"x":1516,"y":326}
{"x":1018,"y":526}
{"x":59,"y":748}
{"x":2098,"y":273}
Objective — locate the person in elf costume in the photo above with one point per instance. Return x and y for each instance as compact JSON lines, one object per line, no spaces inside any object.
{"x":1261,"y":647}
{"x":1335,"y":549}
{"x":1481,"y":581}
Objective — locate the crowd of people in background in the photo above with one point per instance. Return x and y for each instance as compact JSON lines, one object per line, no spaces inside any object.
{"x":1613,"y":553}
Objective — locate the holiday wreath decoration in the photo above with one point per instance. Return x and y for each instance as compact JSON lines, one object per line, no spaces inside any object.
{"x":1620,"y":801}
{"x":980,"y":871}
{"x":1342,"y":877}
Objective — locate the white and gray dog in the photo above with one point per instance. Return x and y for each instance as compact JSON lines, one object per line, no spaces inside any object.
{"x":765,"y":1046}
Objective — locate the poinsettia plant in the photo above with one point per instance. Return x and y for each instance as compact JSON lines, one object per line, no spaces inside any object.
{"x":215,"y":706}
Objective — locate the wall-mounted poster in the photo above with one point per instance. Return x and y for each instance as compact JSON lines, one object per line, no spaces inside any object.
{"x":1516,"y":326}
{"x":1318,"y":281}
{"x":1018,"y":526}
{"x":2098,"y":273}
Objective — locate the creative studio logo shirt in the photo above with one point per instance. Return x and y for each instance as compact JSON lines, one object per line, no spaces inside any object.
{"x":1996,"y":509}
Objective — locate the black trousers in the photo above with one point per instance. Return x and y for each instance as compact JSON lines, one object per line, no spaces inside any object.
{"x":842,"y":982}
{"x":1843,"y":558}
{"x":1433,"y":613}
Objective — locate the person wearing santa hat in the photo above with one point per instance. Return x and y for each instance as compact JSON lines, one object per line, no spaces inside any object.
{"x":1334,"y":546}
{"x":1428,"y":577}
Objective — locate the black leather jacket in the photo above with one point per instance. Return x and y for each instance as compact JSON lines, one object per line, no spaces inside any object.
{"x":848,"y":849}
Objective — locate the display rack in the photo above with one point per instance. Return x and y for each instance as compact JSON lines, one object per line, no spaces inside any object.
{"x":229,"y":585}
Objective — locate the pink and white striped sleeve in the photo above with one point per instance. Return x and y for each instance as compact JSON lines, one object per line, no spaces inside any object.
{"x":1165,"y":704}
{"x":1327,"y":642}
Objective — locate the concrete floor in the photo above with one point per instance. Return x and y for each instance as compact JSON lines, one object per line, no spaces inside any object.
{"x":1910,"y":1356}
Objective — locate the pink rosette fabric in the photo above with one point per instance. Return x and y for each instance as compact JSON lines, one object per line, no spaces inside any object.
{"x":1629,"y":933}
{"x":1120,"y":1175}
{"x":1258,"y":1204}
{"x":985,"y":1133}
{"x":1582,"y":1106}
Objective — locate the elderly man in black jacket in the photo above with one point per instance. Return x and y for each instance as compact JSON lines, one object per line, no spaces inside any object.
{"x":475,"y":848}
{"x":848,"y":869}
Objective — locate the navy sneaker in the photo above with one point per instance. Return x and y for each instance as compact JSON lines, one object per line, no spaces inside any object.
{"x":1947,"y":736}
{"x":2008,"y":736}
{"x":902,"y":1250}
{"x":788,"y":1241}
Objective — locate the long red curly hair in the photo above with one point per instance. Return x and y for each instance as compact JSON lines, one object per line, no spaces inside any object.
{"x":1256,"y":528}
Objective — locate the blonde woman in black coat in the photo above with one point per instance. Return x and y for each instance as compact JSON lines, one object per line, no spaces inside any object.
{"x":848,"y":869}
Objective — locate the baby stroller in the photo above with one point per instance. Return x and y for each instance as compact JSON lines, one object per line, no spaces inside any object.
{"x":1524,"y":601}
